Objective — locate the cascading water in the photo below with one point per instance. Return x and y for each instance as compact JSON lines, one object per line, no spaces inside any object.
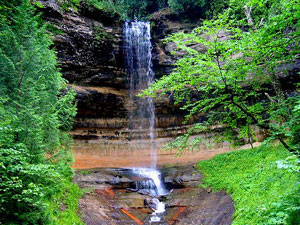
{"x":153,"y":183}
{"x":153,"y":186}
{"x":137,"y":39}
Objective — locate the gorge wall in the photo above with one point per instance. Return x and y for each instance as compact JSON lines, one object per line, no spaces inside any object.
{"x":90,"y":51}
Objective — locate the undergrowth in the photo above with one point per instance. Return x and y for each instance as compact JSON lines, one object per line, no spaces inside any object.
{"x":63,"y":208}
{"x":262,"y":192}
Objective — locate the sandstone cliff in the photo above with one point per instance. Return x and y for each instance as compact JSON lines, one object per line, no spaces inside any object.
{"x":89,"y":47}
{"x":90,"y":51}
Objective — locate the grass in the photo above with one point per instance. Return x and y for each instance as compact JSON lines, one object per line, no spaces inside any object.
{"x":63,"y":208}
{"x":262,"y":192}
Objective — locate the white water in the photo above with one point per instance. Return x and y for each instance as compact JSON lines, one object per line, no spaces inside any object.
{"x":153,"y":183}
{"x":137,"y":46}
{"x":160,"y":208}
{"x":154,"y":186}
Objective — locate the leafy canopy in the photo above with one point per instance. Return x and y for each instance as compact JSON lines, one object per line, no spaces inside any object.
{"x":236,"y":72}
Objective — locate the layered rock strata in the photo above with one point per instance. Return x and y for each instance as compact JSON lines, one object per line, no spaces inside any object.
{"x":90,"y":51}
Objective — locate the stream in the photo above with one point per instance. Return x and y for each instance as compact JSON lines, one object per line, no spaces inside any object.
{"x":154,"y":186}
{"x":170,"y":195}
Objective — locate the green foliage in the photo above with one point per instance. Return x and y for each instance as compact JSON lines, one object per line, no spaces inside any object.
{"x":7,"y":9}
{"x":25,"y":186}
{"x":36,"y":111}
{"x":265,"y":9}
{"x":66,"y":4}
{"x":53,"y":29}
{"x":130,"y":8}
{"x":235,"y":73}
{"x":127,"y":9}
{"x":108,"y":6}
{"x":63,"y":206}
{"x":194,"y":7}
{"x":32,"y":83}
{"x":85,"y":172}
{"x":263,"y":192}
{"x":204,"y":9}
{"x":142,"y":9}
{"x":294,"y":125}
{"x":214,"y":8}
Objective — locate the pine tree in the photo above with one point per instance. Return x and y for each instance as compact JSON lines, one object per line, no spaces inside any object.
{"x":36,"y":111}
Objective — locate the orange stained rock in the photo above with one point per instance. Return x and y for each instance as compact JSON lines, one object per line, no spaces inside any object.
{"x":132,"y":216}
{"x":90,"y":155}
{"x":143,"y":210}
{"x":173,"y":219}
{"x":98,"y":191}
{"x":107,"y":191}
{"x":110,"y":192}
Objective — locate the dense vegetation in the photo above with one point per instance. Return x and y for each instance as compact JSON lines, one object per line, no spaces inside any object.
{"x":238,"y":76}
{"x":141,"y":9}
{"x":36,"y":111}
{"x":127,"y":9}
{"x":261,"y":183}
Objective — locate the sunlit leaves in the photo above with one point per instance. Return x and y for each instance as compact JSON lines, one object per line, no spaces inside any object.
{"x":234,"y":69}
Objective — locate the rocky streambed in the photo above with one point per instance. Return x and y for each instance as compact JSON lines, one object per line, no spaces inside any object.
{"x":114,"y":196}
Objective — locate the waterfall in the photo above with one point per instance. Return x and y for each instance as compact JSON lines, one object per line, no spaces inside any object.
{"x":137,"y":45}
{"x":153,"y":186}
{"x":153,"y":183}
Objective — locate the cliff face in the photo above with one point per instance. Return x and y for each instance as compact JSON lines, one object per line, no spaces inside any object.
{"x":164,"y":23}
{"x":88,"y":42}
{"x":90,"y":51}
{"x":89,"y":47}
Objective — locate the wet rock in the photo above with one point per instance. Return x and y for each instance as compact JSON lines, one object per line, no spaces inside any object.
{"x":107,"y":203}
{"x":153,"y":203}
{"x":201,"y":207}
{"x":180,"y":177}
{"x":88,"y":44}
{"x":90,"y":51}
{"x":166,"y":22}
{"x":94,"y":211}
{"x":88,"y":99}
{"x":131,"y":200}
{"x":122,"y":183}
{"x":104,"y":177}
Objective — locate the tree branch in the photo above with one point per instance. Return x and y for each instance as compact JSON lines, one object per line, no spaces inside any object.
{"x":248,"y":16}
{"x":232,"y":95}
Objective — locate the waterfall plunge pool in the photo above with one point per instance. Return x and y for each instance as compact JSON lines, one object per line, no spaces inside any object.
{"x":129,"y":196}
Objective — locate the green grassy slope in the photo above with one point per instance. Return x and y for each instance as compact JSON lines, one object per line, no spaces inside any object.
{"x":262,"y":193}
